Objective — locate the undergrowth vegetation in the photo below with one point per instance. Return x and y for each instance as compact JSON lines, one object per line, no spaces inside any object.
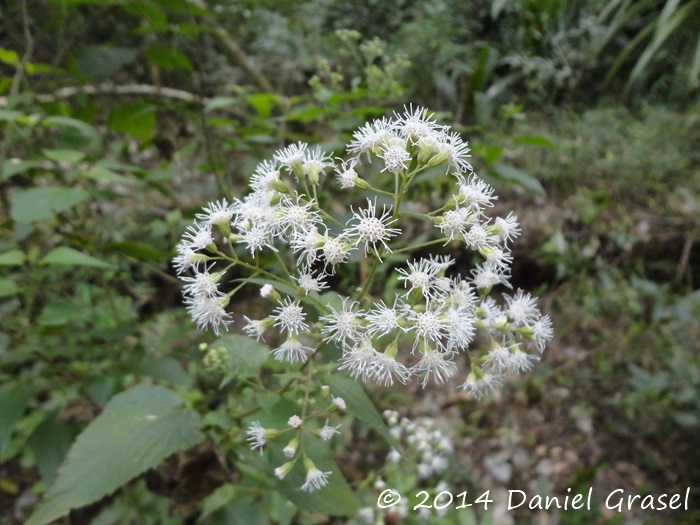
{"x":119,"y":121}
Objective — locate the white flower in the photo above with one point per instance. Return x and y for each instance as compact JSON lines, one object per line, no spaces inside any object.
{"x":371,"y":229}
{"x":315,"y":479}
{"x":295,"y":421}
{"x":293,"y":157}
{"x":455,"y":151}
{"x":289,"y":452}
{"x":381,"y":320}
{"x":460,"y":324}
{"x":334,"y":250}
{"x":454,"y":223}
{"x":420,"y":276}
{"x":395,"y":158}
{"x":371,"y":136}
{"x":292,"y":351}
{"x":415,"y":125}
{"x":542,"y":332}
{"x":290,"y":316}
{"x":295,"y":217}
{"x":486,"y":276}
{"x":346,"y":174}
{"x":198,"y":236}
{"x":429,"y":326}
{"x":308,"y":242}
{"x":363,"y":361}
{"x":265,"y":177}
{"x":344,"y":325}
{"x":256,"y":328}
{"x":474,"y":192}
{"x":257,"y":238}
{"x":266,"y":290}
{"x":339,"y":402}
{"x":523,"y":362}
{"x":216,"y":213}
{"x":477,"y":238}
{"x":187,"y":258}
{"x":203,"y":284}
{"x":500,"y":359}
{"x":508,"y":228}
{"x":326,"y":433}
{"x":438,"y":365}
{"x":310,"y":283}
{"x":256,"y":436}
{"x":481,"y":385}
{"x":315,"y":164}
{"x":522,"y":308}
{"x":208,"y":311}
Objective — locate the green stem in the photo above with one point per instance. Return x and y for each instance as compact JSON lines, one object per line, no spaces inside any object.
{"x":421,"y":245}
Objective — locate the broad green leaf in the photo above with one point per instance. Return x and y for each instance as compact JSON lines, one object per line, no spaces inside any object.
{"x":70,"y":156}
{"x":218,"y":499}
{"x":512,"y":174}
{"x":168,"y":58}
{"x":10,"y":115}
{"x":137,"y":119}
{"x":8,"y":287}
{"x":245,"y":355}
{"x":16,"y":166}
{"x":14,"y":398}
{"x":262,"y":103}
{"x":12,"y":258}
{"x":50,"y":443}
{"x":83,"y":128}
{"x":37,"y":204}
{"x":137,"y":430}
{"x":139,"y":250}
{"x":9,"y":57}
{"x":72,"y":257}
{"x":104,"y":174}
{"x":359,"y":404}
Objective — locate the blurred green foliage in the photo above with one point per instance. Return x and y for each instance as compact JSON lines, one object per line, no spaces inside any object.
{"x":119,"y":119}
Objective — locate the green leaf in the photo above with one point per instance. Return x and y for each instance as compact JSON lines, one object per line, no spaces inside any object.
{"x":218,"y":499}
{"x":37,"y":204}
{"x":14,"y":398}
{"x":137,"y":119}
{"x":335,"y":499}
{"x":245,"y":355}
{"x":10,"y":115}
{"x":534,"y":140}
{"x":359,"y":405}
{"x":12,"y":258}
{"x":83,"y":128}
{"x":139,"y":250}
{"x":512,"y":174}
{"x":70,"y":156}
{"x":50,"y":443}
{"x":71,"y":257}
{"x":138,"y":429}
{"x":8,"y":287}
{"x":9,"y":57}
{"x":104,"y":174}
{"x":16,"y":166}
{"x":220,"y":102}
{"x":262,"y":103}
{"x":168,"y":58}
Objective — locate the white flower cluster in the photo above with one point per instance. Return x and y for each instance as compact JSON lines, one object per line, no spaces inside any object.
{"x":438,"y":312}
{"x":423,"y":440}
{"x":258,"y":436}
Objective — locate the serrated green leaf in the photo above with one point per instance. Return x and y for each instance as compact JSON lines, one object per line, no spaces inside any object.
{"x":245,"y":355}
{"x":36,"y":204}
{"x":12,"y":258}
{"x":71,"y":257}
{"x":137,"y":430}
{"x":359,"y":404}
{"x":512,"y":174}
{"x":70,"y":156}
{"x":8,"y":287}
